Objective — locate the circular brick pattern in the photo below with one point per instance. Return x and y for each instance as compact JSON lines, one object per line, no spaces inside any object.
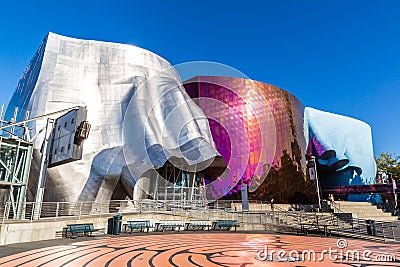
{"x":200,"y":249}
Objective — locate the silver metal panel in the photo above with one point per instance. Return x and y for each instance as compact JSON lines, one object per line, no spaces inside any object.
{"x":139,"y":112}
{"x":64,"y":145}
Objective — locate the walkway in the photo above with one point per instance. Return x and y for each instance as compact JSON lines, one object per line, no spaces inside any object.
{"x":199,"y":249}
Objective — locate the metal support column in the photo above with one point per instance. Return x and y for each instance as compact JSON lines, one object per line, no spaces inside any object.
{"x":312,"y":168}
{"x":42,"y":170}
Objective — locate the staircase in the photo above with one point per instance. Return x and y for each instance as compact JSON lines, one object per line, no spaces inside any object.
{"x":363,"y":210}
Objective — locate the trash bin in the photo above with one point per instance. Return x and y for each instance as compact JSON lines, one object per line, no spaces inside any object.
{"x":117,"y":224}
{"x":371,"y":229}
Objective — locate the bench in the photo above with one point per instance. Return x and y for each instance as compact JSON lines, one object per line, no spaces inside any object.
{"x":74,"y":230}
{"x":198,"y":225}
{"x":161,"y":226}
{"x":312,"y":228}
{"x":140,"y":225}
{"x":225,"y":224}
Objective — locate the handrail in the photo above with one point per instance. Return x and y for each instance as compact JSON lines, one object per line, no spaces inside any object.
{"x":37,"y":118}
{"x":200,"y":210}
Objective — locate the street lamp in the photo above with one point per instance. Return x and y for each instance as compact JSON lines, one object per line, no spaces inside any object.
{"x":312,"y":169}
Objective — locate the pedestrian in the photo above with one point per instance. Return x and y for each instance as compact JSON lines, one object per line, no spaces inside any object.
{"x":331,"y":199}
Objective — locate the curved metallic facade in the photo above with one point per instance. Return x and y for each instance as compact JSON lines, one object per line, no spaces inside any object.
{"x":141,"y":117}
{"x":227,"y":131}
{"x":259,"y":131}
{"x":343,"y":147}
{"x":271,"y":132}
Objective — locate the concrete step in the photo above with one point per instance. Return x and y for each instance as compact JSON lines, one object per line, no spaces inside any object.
{"x":378,"y":218}
{"x":364,"y":210}
{"x":369,"y":213}
{"x":351,"y":203}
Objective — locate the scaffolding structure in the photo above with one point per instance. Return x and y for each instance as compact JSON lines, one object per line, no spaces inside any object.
{"x":15,"y":161}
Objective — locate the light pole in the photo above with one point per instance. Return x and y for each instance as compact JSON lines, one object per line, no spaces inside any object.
{"x":312,"y":169}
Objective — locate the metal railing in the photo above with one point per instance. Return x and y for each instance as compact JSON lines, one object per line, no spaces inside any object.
{"x":54,"y":210}
{"x":346,"y":224}
{"x":261,"y":213}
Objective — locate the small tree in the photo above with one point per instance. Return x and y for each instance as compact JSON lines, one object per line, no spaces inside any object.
{"x":389,"y":163}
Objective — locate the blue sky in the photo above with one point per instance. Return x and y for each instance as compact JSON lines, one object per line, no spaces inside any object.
{"x":338,"y":56}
